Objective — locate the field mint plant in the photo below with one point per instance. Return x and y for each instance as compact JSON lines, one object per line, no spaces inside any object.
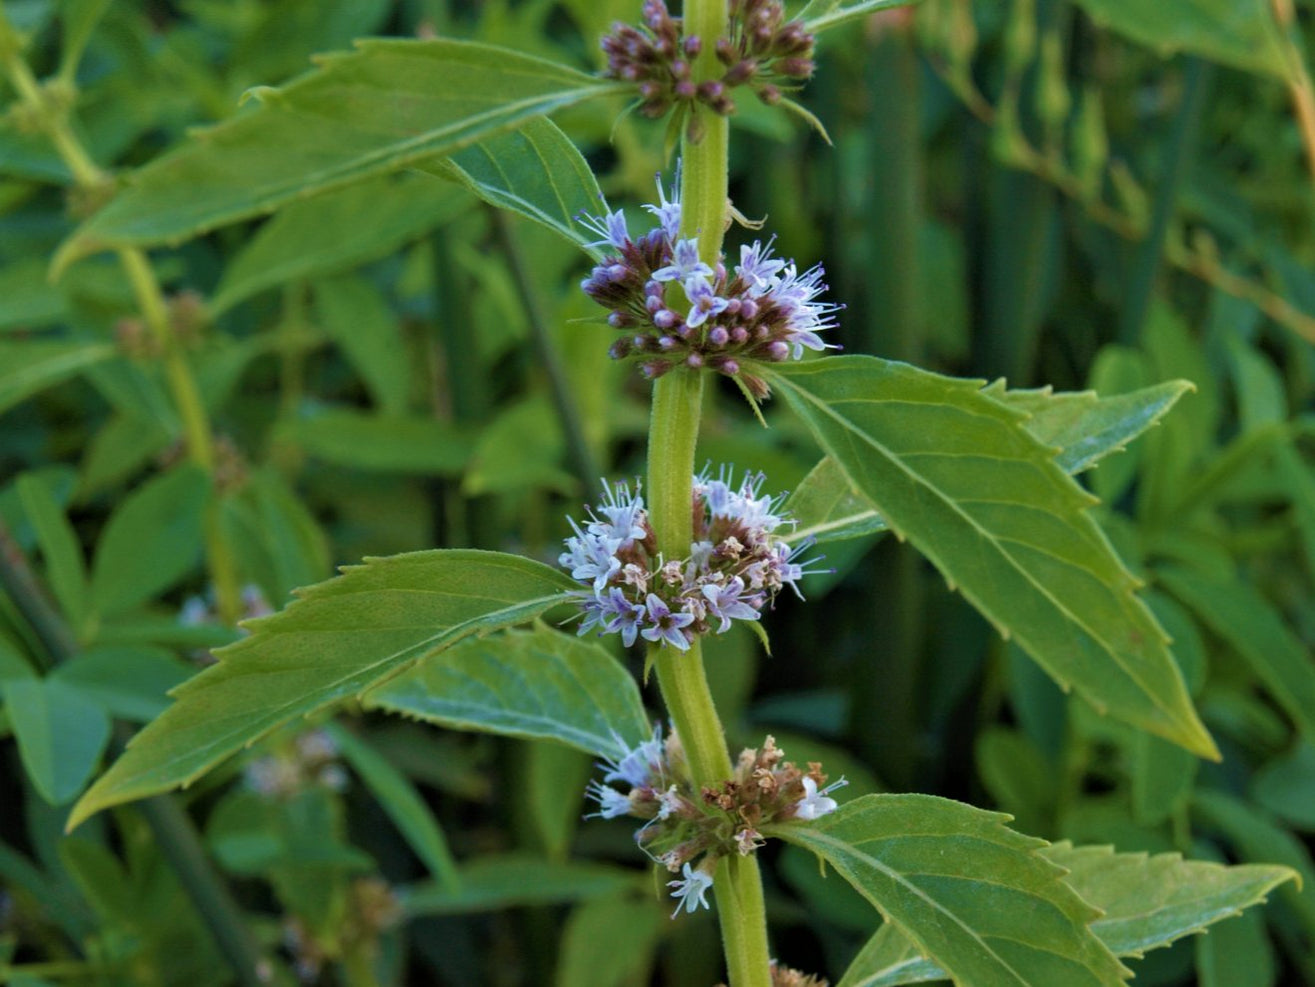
{"x":977,"y":478}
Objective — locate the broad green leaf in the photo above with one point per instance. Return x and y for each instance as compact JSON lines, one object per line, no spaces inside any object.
{"x":955,"y":472}
{"x":31,"y":301}
{"x":965,"y":888}
{"x":535,"y":171}
{"x":403,"y":805}
{"x":388,"y":105}
{"x":131,"y":683}
{"x":1147,"y":903}
{"x":341,"y":638}
{"x":122,"y":446}
{"x":509,"y":881}
{"x":356,"y":316}
{"x":887,"y":959}
{"x":30,"y":366}
{"x":540,"y":684}
{"x":297,"y":549}
{"x":380,"y":443}
{"x":1237,"y":952}
{"x":61,"y":735}
{"x":77,"y":20}
{"x":520,"y":449}
{"x":819,"y":15}
{"x":1235,"y":611}
{"x":545,"y":771}
{"x":1082,"y":425}
{"x":305,"y":239}
{"x":1086,"y":427}
{"x":66,"y":570}
{"x":1255,"y":838}
{"x":609,"y":942}
{"x":151,"y":541}
{"x":1240,"y":33}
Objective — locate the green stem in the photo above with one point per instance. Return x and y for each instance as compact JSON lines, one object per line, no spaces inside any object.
{"x":673,"y":436}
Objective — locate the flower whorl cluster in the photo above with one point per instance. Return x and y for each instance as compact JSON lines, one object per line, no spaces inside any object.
{"x":761,"y":50}
{"x":735,"y":567}
{"x":688,"y":830}
{"x":676,"y":309}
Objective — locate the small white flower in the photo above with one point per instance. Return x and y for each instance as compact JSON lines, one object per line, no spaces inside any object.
{"x":669,"y":802}
{"x":611,"y":803}
{"x":815,"y":804}
{"x":690,"y":892}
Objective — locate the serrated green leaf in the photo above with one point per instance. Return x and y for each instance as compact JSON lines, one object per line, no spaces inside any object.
{"x":535,"y":171}
{"x":66,"y":570}
{"x":540,"y":685}
{"x":510,"y":880}
{"x":30,"y":366}
{"x":1082,"y":425}
{"x":152,"y":540}
{"x":380,"y":443}
{"x":341,"y":638}
{"x":1147,"y":902}
{"x":388,"y":105}
{"x":955,"y":472}
{"x":966,"y":889}
{"x":61,"y":735}
{"x":1240,"y":33}
{"x":305,"y":239}
{"x":403,"y":805}
{"x":1239,"y":614}
{"x":1086,"y":427}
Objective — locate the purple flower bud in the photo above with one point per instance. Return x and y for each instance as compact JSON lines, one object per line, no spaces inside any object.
{"x":729,"y":367}
{"x":664,"y":318}
{"x":739,"y":335}
{"x":684,"y":89}
{"x":718,"y":336}
{"x":748,"y":308}
{"x":693,"y":45}
{"x":777,"y":351}
{"x":694,"y":361}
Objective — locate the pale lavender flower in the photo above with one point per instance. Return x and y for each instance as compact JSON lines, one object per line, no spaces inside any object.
{"x":758,"y":268}
{"x":637,"y":766}
{"x":725,"y":604}
{"x":664,"y":625}
{"x":611,"y":803}
{"x":668,"y":212}
{"x":686,"y":264}
{"x":621,"y":616}
{"x":815,"y":804}
{"x":611,"y":226}
{"x":704,"y":301}
{"x":691,"y":891}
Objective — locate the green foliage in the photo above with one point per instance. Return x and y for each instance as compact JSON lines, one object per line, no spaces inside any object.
{"x":991,"y":508}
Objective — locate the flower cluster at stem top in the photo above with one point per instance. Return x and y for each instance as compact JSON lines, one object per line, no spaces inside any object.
{"x":688,"y":830}
{"x":761,"y":49}
{"x":674,"y":309}
{"x":735,"y":567}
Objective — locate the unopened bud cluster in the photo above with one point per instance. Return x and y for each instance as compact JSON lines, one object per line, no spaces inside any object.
{"x":688,"y":831}
{"x":309,"y":761}
{"x":735,"y":567}
{"x":674,"y":309}
{"x":761,"y":50}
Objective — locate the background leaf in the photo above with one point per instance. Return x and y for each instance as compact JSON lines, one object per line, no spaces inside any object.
{"x":61,"y":734}
{"x":338,"y":640}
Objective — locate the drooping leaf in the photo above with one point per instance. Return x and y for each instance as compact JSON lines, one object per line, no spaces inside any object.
{"x":1082,"y":425}
{"x":341,"y":638}
{"x":965,"y":888}
{"x":29,"y":366}
{"x":306,"y":238}
{"x":151,"y":541}
{"x":541,"y":684}
{"x":535,"y":171}
{"x":61,"y":734}
{"x":1235,"y":611}
{"x":1148,"y":903}
{"x":955,"y":472}
{"x":511,"y":880}
{"x":1239,"y":33}
{"x":403,"y":804}
{"x":1086,"y":427}
{"x":388,"y":105}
